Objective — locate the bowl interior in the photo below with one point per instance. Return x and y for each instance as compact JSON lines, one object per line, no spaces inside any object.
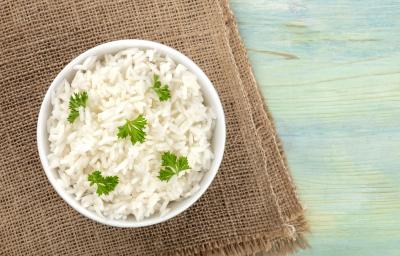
{"x":211,"y":99}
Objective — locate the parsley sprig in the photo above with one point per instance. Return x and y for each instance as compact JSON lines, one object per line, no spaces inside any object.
{"x":75,"y":102}
{"x":172,"y":165}
{"x":105,"y":184}
{"x":161,"y":90}
{"x":134,"y":129}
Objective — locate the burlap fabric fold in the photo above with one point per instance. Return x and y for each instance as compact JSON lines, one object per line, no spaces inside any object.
{"x":251,"y":206}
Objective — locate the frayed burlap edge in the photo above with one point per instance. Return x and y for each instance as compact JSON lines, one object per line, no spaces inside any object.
{"x":267,"y":120}
{"x":233,"y":31}
{"x":295,"y":225}
{"x":272,"y":244}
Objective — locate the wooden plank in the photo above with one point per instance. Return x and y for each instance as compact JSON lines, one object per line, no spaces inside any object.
{"x":330,"y":71}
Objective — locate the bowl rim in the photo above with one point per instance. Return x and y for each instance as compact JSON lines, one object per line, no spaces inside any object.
{"x":110,"y":47}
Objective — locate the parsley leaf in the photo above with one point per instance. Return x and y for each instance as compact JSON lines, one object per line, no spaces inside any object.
{"x":134,"y":129}
{"x":105,"y":184}
{"x":75,"y":101}
{"x":166,"y":174}
{"x":162,"y":91}
{"x":172,"y":165}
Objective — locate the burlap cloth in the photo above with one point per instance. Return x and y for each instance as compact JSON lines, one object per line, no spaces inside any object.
{"x":251,"y":205}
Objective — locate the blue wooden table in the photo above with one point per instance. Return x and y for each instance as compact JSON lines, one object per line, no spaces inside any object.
{"x":330,"y":72}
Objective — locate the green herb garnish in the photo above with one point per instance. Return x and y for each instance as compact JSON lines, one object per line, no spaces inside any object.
{"x":75,"y":102}
{"x":161,"y":90}
{"x":105,"y":184}
{"x":134,"y":129}
{"x":172,"y":165}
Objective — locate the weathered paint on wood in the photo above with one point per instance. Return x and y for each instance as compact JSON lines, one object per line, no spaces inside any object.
{"x":330,"y":71}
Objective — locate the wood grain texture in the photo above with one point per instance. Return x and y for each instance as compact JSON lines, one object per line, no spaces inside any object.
{"x":330,"y":71}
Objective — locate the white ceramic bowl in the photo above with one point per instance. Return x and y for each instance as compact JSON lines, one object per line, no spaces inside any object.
{"x":211,"y":99}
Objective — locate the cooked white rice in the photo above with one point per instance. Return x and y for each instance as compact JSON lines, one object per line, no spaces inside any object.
{"x":119,"y":88}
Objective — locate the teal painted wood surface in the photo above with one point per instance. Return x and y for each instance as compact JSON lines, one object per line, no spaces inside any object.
{"x":330,"y":71}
